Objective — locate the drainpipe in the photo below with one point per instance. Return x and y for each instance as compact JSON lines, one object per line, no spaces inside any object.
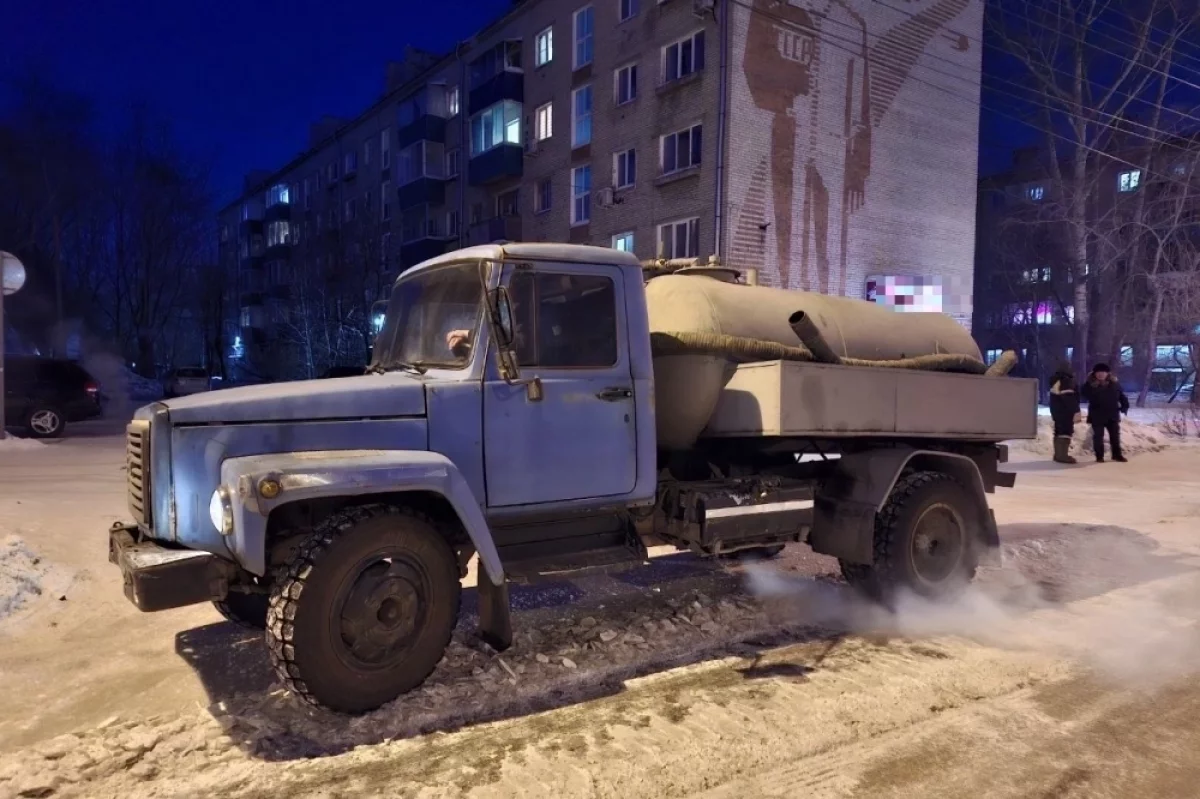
{"x":464,"y":142}
{"x":722,"y":103}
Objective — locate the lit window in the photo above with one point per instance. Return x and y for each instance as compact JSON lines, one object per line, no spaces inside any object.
{"x":681,"y":150}
{"x":583,"y":37}
{"x":278,"y":233}
{"x":626,"y":84}
{"x":544,"y":122}
{"x":1036,"y":193}
{"x":544,"y":47}
{"x":623,"y":242}
{"x":1129,"y":181}
{"x":453,"y":102}
{"x":624,"y":169}
{"x":543,"y":195}
{"x":385,"y":148}
{"x":1045,"y":313}
{"x":679,"y":239}
{"x":992,"y":356}
{"x":581,"y":195}
{"x":1018,"y":314}
{"x":581,"y":116}
{"x":628,"y":9}
{"x":278,"y":194}
{"x":1126,"y":356}
{"x":683,"y":57}
{"x":497,"y":125}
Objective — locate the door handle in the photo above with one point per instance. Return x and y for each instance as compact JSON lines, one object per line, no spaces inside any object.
{"x":614,"y":394}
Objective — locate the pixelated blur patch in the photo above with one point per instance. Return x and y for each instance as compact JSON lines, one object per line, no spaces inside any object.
{"x":921,"y":294}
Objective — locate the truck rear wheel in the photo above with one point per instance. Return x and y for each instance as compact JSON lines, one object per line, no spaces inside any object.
{"x":363,"y":609}
{"x":924,"y":542}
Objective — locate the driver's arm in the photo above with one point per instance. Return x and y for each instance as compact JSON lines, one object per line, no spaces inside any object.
{"x":459,"y":342}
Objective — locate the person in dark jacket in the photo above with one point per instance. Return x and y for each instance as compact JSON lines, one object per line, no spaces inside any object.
{"x":1064,"y":410}
{"x":1106,"y":402}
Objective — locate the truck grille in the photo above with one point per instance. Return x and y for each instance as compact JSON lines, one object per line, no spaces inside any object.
{"x":137,"y":463}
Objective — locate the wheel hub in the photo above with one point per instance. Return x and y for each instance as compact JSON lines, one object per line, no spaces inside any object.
{"x":44,"y":422}
{"x":938,"y":543}
{"x":382,"y":613}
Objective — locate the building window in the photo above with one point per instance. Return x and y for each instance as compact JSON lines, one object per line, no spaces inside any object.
{"x":1129,"y":181}
{"x":623,"y":242}
{"x":504,"y":57}
{"x":224,"y":233}
{"x":331,"y":172}
{"x":385,"y":148}
{"x":278,"y":195}
{"x":385,"y":200}
{"x":543,"y":52}
{"x":367,"y":153}
{"x":307,"y":194}
{"x":350,"y":210}
{"x":1036,"y":193}
{"x":543,"y":195}
{"x":583,"y":37}
{"x":350,"y":161}
{"x":581,"y":195}
{"x":453,"y":102}
{"x":452,"y":223}
{"x":544,"y":122}
{"x":416,"y":223}
{"x":581,"y":116}
{"x":683,"y":57}
{"x":476,"y":213}
{"x":494,"y":126}
{"x":624,"y":169}
{"x":509,"y":203}
{"x":679,"y":239}
{"x":452,"y":166}
{"x":278,"y":232}
{"x":423,"y":159}
{"x":681,"y":150}
{"x":627,"y":9}
{"x":991,"y":356}
{"x":626,"y":88}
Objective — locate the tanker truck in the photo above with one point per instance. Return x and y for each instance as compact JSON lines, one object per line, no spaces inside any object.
{"x":553,"y":408}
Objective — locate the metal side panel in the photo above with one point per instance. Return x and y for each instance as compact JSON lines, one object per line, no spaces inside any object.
{"x":788,"y":398}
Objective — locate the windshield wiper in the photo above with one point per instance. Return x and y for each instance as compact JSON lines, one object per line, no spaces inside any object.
{"x":416,"y":368}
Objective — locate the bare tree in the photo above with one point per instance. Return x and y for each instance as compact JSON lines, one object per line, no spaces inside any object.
{"x":1089,"y":63}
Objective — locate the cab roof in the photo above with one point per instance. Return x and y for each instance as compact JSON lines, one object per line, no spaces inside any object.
{"x":531,"y":251}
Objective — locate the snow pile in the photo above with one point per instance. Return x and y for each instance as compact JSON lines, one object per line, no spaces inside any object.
{"x":11,"y":443}
{"x":1136,"y":438}
{"x":21,"y":575}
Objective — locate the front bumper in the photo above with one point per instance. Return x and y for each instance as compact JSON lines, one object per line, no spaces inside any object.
{"x":159,"y":578}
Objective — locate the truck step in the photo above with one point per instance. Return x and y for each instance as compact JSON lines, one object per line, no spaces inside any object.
{"x":599,"y":560}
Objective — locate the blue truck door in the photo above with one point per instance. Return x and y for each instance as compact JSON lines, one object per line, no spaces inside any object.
{"x":579,"y":440}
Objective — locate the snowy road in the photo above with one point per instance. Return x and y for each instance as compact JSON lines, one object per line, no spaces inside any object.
{"x":1070,"y":672}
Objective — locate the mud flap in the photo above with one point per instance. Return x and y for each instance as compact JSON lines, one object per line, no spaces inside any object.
{"x":495,"y":614}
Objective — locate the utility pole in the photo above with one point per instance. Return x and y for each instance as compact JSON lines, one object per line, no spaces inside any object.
{"x":12,"y":278}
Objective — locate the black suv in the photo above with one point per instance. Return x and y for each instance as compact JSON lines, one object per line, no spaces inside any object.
{"x":42,"y":394}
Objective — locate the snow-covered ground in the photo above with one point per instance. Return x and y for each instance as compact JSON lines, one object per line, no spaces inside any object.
{"x":661,"y":682}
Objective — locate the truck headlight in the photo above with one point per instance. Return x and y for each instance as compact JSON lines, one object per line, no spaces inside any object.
{"x":220,"y":510}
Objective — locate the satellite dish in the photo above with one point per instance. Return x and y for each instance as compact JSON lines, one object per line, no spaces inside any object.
{"x":12,"y":273}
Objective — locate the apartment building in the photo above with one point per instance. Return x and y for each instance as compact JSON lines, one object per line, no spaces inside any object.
{"x":830,"y":145}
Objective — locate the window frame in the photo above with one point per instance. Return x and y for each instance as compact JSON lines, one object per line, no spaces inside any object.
{"x":576,"y":117}
{"x":617,"y":171}
{"x":673,"y":223}
{"x":538,"y":115}
{"x":548,"y":183}
{"x":546,"y":36}
{"x":622,"y":235}
{"x":627,"y":10}
{"x":581,"y":196}
{"x":385,"y":148}
{"x":678,"y":43}
{"x":613,"y":280}
{"x":632,"y":70}
{"x":662,"y":149}
{"x":588,"y":38}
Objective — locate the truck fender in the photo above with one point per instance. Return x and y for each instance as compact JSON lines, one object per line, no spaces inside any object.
{"x":845,"y":506}
{"x":345,"y":473}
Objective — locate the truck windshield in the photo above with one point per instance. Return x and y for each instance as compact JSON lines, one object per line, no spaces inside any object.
{"x":432,"y":319}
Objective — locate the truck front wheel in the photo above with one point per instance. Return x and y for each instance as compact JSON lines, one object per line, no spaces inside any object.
{"x":363,"y":609}
{"x":244,"y":610}
{"x":924,"y":542}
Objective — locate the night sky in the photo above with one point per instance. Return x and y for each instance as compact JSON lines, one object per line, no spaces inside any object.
{"x":241,"y":81}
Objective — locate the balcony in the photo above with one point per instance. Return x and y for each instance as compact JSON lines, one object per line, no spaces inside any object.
{"x":278,"y":211}
{"x":414,"y":252}
{"x":252,"y":299}
{"x":426,"y":127}
{"x":251,"y":226}
{"x":423,"y":190}
{"x":498,"y":228}
{"x":506,"y":85}
{"x":502,"y":162}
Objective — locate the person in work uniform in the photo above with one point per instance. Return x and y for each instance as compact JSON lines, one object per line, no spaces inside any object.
{"x":1106,"y":402}
{"x":1064,"y":410}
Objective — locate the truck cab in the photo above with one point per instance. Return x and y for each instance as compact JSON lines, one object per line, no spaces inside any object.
{"x":508,"y":413}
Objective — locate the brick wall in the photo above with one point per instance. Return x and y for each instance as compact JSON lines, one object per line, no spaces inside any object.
{"x":861,"y":119}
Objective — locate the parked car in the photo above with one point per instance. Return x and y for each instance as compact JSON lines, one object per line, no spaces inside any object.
{"x":187,"y":380}
{"x":41,"y":395}
{"x":342,"y":371}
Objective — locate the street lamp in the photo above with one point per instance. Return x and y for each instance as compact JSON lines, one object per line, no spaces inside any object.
{"x":12,"y":278}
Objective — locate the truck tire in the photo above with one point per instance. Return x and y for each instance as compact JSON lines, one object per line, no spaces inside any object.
{"x":923,"y":541}
{"x":756,"y":554}
{"x":363,"y":609}
{"x":244,"y":610}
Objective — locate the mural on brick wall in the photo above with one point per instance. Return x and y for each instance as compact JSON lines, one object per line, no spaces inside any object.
{"x":820,"y":82}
